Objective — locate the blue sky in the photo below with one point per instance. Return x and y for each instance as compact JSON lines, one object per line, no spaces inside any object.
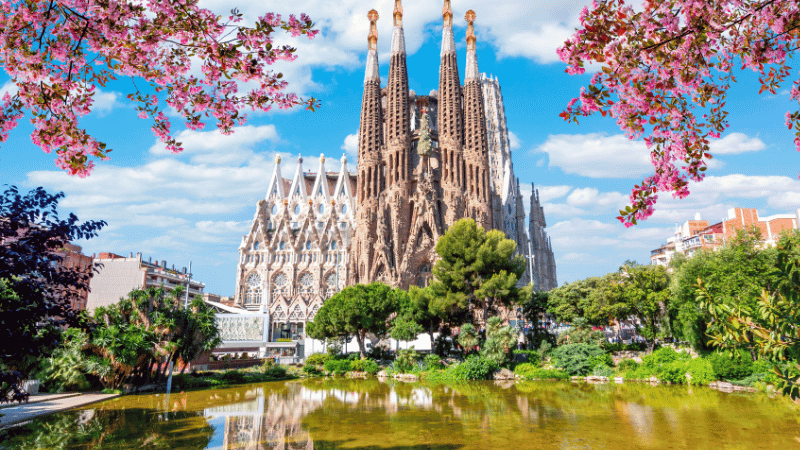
{"x":195,"y":206}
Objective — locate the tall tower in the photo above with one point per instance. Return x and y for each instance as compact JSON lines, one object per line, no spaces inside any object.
{"x":477,"y":186}
{"x":370,"y":164}
{"x":450,"y":121}
{"x":398,"y":142}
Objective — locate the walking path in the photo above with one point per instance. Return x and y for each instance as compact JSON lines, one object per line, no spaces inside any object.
{"x":41,"y":405}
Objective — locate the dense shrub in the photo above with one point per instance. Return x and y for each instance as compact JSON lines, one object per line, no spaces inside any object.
{"x":626,"y":365}
{"x":474,"y":368}
{"x":234,"y":376}
{"x":531,"y":371}
{"x":527,"y":356}
{"x":602,"y":370}
{"x":311,"y":369}
{"x":432,"y":362}
{"x":406,"y":360}
{"x":364,"y":365}
{"x":337,"y":366}
{"x":674,"y":372}
{"x":701,"y":371}
{"x":371,"y":367}
{"x":578,"y":359}
{"x":663,"y":356}
{"x":318,"y":359}
{"x":275,"y":372}
{"x":728,"y":368}
{"x":477,"y":368}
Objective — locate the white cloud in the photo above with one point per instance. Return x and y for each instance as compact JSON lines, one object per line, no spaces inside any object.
{"x":514,"y":141}
{"x":350,"y":147}
{"x":735,"y":143}
{"x":515,"y":28}
{"x":8,"y":88}
{"x":104,"y":102}
{"x":548,"y":193}
{"x":217,"y":148}
{"x":591,"y":197}
{"x":597,"y":155}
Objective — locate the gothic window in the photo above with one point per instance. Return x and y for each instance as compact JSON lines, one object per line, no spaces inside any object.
{"x":344,"y":209}
{"x":280,"y":314}
{"x":253,"y":295}
{"x":332,"y":283}
{"x":297,"y":313}
{"x":282,"y":245}
{"x":313,"y":312}
{"x":274,"y":209}
{"x":297,"y":209}
{"x":322,"y":208}
{"x":333,"y":245}
{"x":255,"y":245}
{"x":308,"y":245}
{"x":307,"y":283}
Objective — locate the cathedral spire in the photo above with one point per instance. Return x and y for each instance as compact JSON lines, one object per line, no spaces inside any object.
{"x":472,"y":58}
{"x":450,"y":123}
{"x":372,"y":53}
{"x":448,"y":42}
{"x":398,"y":127}
{"x":476,"y":145}
{"x":369,"y":171}
{"x":398,"y":39}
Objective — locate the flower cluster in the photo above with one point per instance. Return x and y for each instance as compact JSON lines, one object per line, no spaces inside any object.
{"x":665,"y":74}
{"x":58,"y":51}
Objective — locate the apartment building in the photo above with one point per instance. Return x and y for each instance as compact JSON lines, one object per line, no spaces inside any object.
{"x":695,"y":235}
{"x":119,"y":275}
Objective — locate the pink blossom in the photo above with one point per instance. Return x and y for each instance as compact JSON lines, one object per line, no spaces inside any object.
{"x":666,"y":72}
{"x":134,"y":39}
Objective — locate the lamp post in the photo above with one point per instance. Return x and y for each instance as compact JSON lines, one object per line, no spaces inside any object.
{"x":188,"y":286}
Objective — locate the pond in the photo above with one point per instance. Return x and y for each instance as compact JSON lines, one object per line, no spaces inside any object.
{"x":369,"y":414}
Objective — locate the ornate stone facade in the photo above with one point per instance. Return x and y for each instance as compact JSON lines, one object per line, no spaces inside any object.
{"x":424,"y":161}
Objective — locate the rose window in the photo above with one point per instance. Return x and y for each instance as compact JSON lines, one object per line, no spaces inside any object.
{"x":306,"y":283}
{"x":279,"y":283}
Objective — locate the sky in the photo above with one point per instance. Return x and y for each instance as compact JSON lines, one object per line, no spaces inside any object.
{"x":195,"y":206}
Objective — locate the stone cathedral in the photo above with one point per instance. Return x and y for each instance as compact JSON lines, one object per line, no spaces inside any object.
{"x":424,"y":162}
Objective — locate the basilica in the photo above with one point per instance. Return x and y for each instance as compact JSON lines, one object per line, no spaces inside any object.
{"x":424,"y":162}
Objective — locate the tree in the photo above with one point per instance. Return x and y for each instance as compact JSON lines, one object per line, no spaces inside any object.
{"x":534,"y":308}
{"x":59,"y":52}
{"x":404,"y":325}
{"x":356,"y":310}
{"x":148,"y":328}
{"x":418,"y":310}
{"x":36,"y":291}
{"x":500,"y":340}
{"x":477,"y":272}
{"x":660,"y":64}
{"x":735,"y":274}
{"x":645,"y":295}
{"x":770,"y":326}
{"x":578,"y":299}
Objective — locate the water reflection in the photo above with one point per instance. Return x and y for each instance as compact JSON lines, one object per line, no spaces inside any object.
{"x":368,"y":414}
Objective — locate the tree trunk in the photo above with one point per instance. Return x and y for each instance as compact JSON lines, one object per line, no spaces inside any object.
{"x":360,"y":340}
{"x":433,"y":341}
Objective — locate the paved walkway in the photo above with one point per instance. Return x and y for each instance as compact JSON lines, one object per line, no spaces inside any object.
{"x":42,"y":405}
